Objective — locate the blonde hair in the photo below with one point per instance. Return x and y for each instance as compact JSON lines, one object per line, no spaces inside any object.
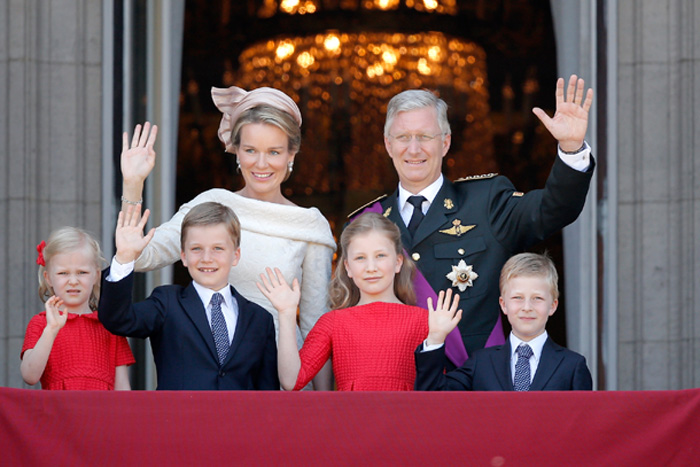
{"x":343,"y":291}
{"x":528,"y":265}
{"x":211,"y":213}
{"x":67,"y":240}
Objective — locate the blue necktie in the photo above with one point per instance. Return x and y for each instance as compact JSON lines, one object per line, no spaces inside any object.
{"x":417,"y":216}
{"x":521,"y":382}
{"x":218,"y":327}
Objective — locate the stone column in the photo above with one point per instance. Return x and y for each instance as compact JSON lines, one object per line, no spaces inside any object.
{"x":50,"y":157}
{"x":574,"y":29}
{"x":658,"y":188}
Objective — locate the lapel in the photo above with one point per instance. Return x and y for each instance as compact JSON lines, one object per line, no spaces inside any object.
{"x":437,"y":214}
{"x":395,"y":217}
{"x":194,"y":309}
{"x":549,"y":361}
{"x":245,"y":316}
{"x":500,"y":359}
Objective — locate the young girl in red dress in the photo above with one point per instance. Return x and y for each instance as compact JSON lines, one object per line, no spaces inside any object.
{"x":66,"y":347}
{"x":374,"y":328}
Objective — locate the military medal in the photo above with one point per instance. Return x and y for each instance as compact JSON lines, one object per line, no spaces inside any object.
{"x":462,"y":276}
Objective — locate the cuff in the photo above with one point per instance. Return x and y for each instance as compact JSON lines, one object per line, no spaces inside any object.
{"x":119,"y":271}
{"x":428,"y":348}
{"x":580,"y":160}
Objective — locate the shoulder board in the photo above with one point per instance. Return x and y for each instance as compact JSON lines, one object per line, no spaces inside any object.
{"x":367,"y":205}
{"x":476,"y":177}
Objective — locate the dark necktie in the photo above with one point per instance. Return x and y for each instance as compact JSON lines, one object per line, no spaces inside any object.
{"x":417,"y":215}
{"x":218,"y":327}
{"x":521,"y":382}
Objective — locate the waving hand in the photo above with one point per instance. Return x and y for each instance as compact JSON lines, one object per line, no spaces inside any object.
{"x":570,"y":120}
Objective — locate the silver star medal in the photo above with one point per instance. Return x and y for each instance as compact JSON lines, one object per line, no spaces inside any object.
{"x":462,"y":276}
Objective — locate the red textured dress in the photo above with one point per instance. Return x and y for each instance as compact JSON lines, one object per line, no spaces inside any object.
{"x":84,"y":355}
{"x":371,"y":345}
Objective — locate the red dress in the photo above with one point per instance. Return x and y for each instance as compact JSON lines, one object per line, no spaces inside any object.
{"x":371,"y":345}
{"x":84,"y":355}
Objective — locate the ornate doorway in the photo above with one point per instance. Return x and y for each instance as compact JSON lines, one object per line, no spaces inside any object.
{"x":342,"y":60}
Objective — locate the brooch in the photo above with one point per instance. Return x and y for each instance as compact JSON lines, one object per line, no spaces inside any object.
{"x":448,"y":203}
{"x":457,"y":228}
{"x":462,"y":276}
{"x":387,"y":212}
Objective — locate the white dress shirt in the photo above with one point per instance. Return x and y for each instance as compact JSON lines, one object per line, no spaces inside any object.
{"x":535,"y":344}
{"x":430,"y":192}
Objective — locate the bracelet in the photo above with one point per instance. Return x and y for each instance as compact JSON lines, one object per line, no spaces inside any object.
{"x":583,"y":146}
{"x":133,"y":203}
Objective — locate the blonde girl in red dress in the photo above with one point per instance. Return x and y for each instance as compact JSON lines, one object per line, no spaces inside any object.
{"x":374,"y":328}
{"x":66,"y":347}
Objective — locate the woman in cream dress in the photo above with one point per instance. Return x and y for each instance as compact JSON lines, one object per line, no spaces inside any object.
{"x":262,"y":128}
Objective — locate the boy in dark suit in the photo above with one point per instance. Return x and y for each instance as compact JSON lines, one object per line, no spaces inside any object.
{"x":529,"y":360}
{"x":204,"y":336}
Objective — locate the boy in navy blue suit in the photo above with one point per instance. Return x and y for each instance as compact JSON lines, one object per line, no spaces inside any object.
{"x":529,"y":360}
{"x":205,"y":336}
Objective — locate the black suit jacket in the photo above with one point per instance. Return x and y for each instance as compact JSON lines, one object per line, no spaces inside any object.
{"x":183,"y":345}
{"x":501,"y":222}
{"x":559,"y":369}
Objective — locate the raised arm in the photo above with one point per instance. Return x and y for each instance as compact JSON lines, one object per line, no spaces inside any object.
{"x":316,"y":271}
{"x":570,"y":121}
{"x":34,"y":360}
{"x":285,"y":299}
{"x":129,"y":235}
{"x":443,"y":318}
{"x":137,"y":162}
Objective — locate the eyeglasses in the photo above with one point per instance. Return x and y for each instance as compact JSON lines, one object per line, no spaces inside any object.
{"x":405,"y":139}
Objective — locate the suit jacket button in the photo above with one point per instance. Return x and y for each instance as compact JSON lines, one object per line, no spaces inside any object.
{"x":415,"y":256}
{"x":461,"y":251}
{"x":222,"y":373}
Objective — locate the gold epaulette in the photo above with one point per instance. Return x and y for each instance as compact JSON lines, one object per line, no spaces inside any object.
{"x":366,"y":205}
{"x":476,"y":177}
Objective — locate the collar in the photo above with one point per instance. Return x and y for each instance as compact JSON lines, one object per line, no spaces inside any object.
{"x":535,"y":344}
{"x":92,"y":315}
{"x":205,"y":294}
{"x":430,"y":192}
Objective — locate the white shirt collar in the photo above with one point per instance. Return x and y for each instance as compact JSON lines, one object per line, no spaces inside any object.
{"x":430,"y":192}
{"x":205,"y":294}
{"x":535,"y":344}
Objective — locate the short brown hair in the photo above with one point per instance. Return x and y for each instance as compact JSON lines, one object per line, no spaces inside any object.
{"x":211,"y":213}
{"x":531,"y":264}
{"x":272,"y":116}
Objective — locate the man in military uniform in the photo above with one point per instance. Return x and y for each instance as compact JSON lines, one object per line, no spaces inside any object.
{"x":460,"y":234}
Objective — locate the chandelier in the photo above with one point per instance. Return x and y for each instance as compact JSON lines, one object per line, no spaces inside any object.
{"x":292,"y":7}
{"x":342,"y":80}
